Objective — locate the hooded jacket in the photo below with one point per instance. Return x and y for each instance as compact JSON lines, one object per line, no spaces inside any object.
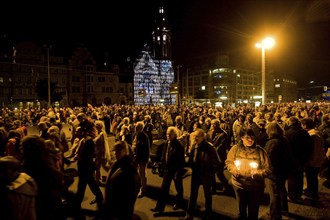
{"x":17,"y":199}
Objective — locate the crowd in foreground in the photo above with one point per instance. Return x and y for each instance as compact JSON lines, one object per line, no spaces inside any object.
{"x":273,"y":145}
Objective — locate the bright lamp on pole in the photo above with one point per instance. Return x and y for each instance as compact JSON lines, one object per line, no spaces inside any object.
{"x":266,"y":43}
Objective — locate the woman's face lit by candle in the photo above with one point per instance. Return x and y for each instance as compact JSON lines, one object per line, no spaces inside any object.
{"x":248,"y":141}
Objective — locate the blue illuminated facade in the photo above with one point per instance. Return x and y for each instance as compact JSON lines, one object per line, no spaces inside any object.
{"x":153,"y":71}
{"x":152,"y":80}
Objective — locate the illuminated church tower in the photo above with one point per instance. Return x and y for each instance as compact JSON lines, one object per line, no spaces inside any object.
{"x":161,"y":37}
{"x":153,"y":70}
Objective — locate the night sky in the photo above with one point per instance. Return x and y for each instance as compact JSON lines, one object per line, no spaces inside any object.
{"x":199,"y":28}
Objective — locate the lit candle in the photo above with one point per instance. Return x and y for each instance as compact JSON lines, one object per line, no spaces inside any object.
{"x":254,"y":165}
{"x":237,"y":164}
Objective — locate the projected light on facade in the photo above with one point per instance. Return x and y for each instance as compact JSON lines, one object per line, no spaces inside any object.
{"x":152,"y":80}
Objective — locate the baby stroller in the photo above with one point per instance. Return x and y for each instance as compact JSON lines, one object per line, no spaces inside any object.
{"x":156,"y":151}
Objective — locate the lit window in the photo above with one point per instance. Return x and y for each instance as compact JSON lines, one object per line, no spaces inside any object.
{"x":311,"y":82}
{"x":277,"y":85}
{"x":1,"y":79}
{"x":238,"y":75}
{"x":203,"y":87}
{"x":158,"y":38}
{"x":164,"y":37}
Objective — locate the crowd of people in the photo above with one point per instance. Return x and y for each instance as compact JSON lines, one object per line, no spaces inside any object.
{"x":272,"y":146}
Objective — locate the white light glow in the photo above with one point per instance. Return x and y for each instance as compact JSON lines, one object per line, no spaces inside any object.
{"x":237,"y":163}
{"x":266,"y":43}
{"x":254,"y":165}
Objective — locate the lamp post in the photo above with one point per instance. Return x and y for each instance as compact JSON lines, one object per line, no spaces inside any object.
{"x":179,"y":86}
{"x":48,"y":72}
{"x":266,"y":43}
{"x":48,"y":47}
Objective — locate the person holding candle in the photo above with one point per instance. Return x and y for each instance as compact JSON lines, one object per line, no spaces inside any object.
{"x":249,"y":165}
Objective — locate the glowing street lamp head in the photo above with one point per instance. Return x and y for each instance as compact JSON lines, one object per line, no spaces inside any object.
{"x":266,"y":43}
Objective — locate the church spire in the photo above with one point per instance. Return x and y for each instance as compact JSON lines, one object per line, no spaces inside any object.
{"x":161,"y":36}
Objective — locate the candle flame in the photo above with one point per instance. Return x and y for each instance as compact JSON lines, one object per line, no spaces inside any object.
{"x":237,"y":163}
{"x":254,"y":165}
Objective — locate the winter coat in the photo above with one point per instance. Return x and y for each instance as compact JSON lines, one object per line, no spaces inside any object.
{"x":121,"y":190}
{"x":204,"y":161}
{"x":142,"y":148}
{"x":17,"y":200}
{"x":86,"y":155}
{"x":280,"y":155}
{"x":318,"y":154}
{"x":301,"y":144}
{"x":173,"y":156}
{"x":247,"y":155}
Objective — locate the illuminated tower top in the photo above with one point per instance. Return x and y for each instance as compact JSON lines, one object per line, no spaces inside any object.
{"x":161,"y":36}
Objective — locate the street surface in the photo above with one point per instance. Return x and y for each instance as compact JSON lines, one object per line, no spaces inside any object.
{"x":224,"y":206}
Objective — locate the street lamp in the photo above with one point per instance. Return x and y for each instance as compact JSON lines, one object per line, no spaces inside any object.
{"x":48,"y":47}
{"x":266,"y":43}
{"x":48,"y":73}
{"x":179,"y":86}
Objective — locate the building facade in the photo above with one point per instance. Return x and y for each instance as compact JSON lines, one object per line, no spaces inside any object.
{"x":314,"y":91}
{"x":285,"y":90}
{"x":222,"y":84}
{"x":77,"y":79}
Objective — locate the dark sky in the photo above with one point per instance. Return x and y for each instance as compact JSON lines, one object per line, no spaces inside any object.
{"x":199,"y":28}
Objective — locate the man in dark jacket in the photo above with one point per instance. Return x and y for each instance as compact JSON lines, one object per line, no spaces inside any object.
{"x":122,"y":186}
{"x":204,"y":162}
{"x":301,"y":145}
{"x":219,"y":139}
{"x":141,"y":149}
{"x":279,"y":152}
{"x":148,"y":128}
{"x":86,"y":166}
{"x":260,"y":132}
{"x":173,"y":161}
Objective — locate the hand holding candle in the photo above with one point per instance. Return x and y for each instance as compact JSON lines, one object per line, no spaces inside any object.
{"x":238,"y":167}
{"x":254,"y":167}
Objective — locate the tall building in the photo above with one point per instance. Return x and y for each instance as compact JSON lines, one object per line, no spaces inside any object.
{"x":153,"y":69}
{"x":285,"y":89}
{"x":221,"y":84}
